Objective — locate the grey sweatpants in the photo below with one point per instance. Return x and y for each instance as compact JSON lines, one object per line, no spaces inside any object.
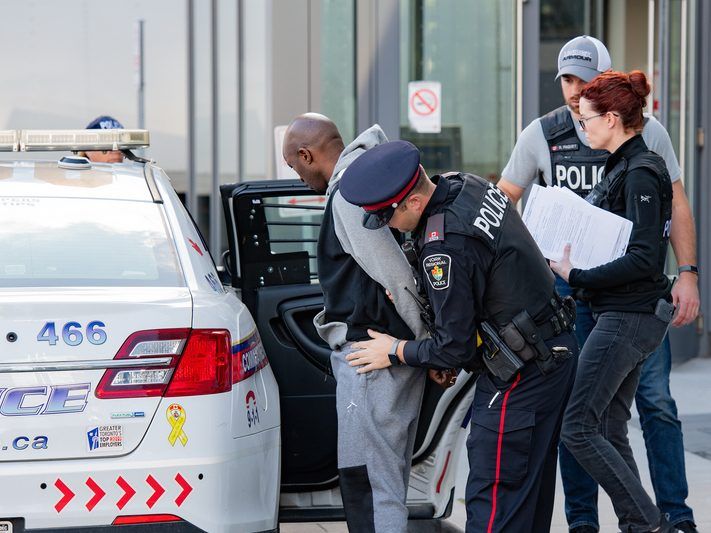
{"x":377,"y":421}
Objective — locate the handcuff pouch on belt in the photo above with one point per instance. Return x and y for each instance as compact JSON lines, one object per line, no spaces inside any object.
{"x":566,"y":310}
{"x":498,"y":357}
{"x":506,"y":351}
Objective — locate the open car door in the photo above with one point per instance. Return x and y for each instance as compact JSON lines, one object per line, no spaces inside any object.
{"x":273,"y":229}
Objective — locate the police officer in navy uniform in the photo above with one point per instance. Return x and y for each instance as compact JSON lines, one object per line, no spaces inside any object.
{"x":480,"y":267}
{"x":104,"y":122}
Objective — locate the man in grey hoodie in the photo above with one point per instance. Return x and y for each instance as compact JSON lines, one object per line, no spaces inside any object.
{"x":377,"y":414}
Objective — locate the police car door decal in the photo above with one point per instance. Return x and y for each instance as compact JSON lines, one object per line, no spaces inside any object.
{"x":437,"y":270}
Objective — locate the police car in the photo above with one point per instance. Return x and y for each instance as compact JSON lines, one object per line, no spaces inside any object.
{"x":141,"y":387}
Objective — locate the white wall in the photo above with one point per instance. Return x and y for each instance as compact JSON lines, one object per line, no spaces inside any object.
{"x":65,"y":62}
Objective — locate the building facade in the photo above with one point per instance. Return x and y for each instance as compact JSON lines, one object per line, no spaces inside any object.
{"x":221,"y":77}
{"x":496,"y":61}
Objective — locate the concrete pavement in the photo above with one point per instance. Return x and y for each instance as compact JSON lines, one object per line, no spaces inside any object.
{"x":690,"y":388}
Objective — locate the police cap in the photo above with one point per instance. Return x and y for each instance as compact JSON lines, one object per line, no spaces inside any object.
{"x":104,"y":122}
{"x":379,"y":179}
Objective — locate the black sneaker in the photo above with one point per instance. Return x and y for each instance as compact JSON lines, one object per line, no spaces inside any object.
{"x":584,"y":529}
{"x":687,"y":526}
{"x":666,"y":527}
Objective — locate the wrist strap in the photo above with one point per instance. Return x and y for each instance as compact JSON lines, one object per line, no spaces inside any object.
{"x":392,"y":355}
{"x":689,"y":268}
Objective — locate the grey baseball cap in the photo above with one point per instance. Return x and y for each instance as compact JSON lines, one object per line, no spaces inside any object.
{"x":584,"y":57}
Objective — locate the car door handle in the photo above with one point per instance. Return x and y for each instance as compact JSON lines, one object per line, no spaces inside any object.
{"x":320,"y":354}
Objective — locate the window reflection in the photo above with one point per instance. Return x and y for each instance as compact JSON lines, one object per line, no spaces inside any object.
{"x":469,"y":48}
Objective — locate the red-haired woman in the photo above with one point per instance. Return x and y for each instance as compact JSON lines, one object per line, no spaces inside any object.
{"x":630,"y":296}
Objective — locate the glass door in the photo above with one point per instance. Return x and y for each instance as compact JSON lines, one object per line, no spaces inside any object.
{"x":468,"y":48}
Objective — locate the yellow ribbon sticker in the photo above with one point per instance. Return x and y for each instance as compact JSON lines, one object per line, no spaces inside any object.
{"x":176,"y":417}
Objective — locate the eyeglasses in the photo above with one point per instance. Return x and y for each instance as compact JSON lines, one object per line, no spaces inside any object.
{"x":378,"y":219}
{"x":582,"y":121}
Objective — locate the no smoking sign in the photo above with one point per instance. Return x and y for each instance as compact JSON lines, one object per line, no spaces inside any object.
{"x":424,"y":110}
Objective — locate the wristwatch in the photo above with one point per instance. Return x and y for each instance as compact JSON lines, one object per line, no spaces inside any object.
{"x":392,"y":355}
{"x":689,"y":268}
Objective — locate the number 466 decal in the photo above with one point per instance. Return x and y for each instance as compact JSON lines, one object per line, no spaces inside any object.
{"x":72,"y":333}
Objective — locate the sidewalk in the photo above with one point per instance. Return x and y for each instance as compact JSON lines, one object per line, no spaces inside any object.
{"x":689,"y":383}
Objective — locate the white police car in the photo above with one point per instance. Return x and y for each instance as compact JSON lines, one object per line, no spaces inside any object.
{"x":135,"y":388}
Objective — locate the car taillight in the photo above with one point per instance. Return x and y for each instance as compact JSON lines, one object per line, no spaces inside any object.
{"x":247,"y":357}
{"x":205,"y":366}
{"x":170,"y":362}
{"x":149,"y":379}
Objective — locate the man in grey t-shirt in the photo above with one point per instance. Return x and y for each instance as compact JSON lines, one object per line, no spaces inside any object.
{"x":553,"y":150}
{"x":531,"y":157}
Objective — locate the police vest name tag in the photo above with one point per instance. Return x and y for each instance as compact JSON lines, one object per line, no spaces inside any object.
{"x":571,"y":147}
{"x":437,"y":270}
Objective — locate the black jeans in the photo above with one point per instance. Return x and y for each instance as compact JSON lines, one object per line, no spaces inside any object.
{"x":595,"y":421}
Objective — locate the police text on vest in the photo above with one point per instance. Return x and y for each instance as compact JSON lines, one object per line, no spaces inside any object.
{"x":492,"y":210}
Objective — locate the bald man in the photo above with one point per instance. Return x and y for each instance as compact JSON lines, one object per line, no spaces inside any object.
{"x":377,"y":415}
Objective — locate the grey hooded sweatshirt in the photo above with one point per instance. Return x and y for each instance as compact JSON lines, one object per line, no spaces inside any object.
{"x":376,"y":251}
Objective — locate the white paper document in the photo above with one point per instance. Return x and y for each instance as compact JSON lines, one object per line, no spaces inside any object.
{"x":556,"y":216}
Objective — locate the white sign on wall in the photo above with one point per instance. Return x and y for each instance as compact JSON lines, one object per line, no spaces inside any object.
{"x":281,"y":169}
{"x":424,"y":106}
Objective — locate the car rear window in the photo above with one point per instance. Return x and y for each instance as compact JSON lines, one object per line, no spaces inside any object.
{"x":67,"y":242}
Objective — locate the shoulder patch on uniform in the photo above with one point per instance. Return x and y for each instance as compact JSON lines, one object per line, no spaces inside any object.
{"x":434,"y":231}
{"x":437,"y":270}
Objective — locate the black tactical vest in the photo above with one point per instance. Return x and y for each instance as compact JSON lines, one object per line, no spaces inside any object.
{"x":573,"y":164}
{"x":519,"y":277}
{"x":608,"y":192}
{"x":349,"y":294}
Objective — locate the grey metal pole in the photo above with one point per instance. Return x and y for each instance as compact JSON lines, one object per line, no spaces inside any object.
{"x":192,"y":200}
{"x":663,"y":93}
{"x":240,"y":86}
{"x":531,"y":26}
{"x":141,"y":79}
{"x":215,"y":204}
{"x":378,"y":82}
{"x":703,"y":169}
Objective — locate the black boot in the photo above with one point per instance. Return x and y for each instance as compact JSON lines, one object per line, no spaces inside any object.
{"x":687,"y":526}
{"x":584,"y":529}
{"x":666,"y":527}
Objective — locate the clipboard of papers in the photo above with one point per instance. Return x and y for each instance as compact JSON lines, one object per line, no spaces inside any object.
{"x":556,"y":216}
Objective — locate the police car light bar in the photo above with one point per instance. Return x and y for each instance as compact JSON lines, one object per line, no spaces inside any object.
{"x":82,"y":140}
{"x":9,"y":141}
